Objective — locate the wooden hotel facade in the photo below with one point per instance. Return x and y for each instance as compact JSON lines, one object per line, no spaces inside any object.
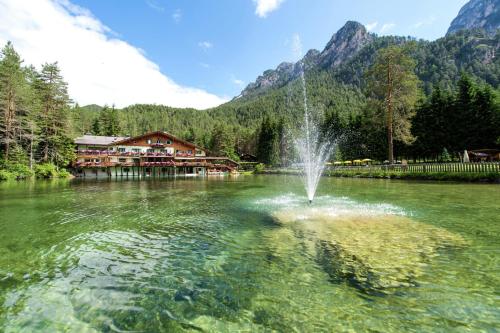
{"x":155,"y":154}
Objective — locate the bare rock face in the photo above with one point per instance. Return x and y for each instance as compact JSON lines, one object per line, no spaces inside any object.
{"x":376,"y":253}
{"x":478,"y":14}
{"x":344,"y":44}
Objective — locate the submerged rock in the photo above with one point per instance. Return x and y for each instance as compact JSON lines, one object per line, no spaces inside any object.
{"x":373,"y":252}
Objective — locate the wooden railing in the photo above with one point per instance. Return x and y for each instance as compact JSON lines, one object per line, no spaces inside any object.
{"x":475,"y":167}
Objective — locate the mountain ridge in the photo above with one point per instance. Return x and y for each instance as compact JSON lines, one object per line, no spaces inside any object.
{"x":477,"y":14}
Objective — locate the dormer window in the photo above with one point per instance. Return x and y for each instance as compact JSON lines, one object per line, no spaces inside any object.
{"x":168,"y":142}
{"x":149,"y":141}
{"x":158,"y":140}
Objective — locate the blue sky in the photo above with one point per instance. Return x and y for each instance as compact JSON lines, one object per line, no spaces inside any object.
{"x":215,"y":47}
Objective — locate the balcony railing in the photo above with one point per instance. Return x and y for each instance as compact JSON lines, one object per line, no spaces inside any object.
{"x":118,"y":153}
{"x":94,"y":164}
{"x":184,"y":155}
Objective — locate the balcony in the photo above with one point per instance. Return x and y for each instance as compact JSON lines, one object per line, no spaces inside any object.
{"x":184,"y":155}
{"x":159,"y":155}
{"x":158,"y":164}
{"x":93,"y":164}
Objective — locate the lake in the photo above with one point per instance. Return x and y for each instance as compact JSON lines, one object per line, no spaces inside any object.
{"x":215,"y":255}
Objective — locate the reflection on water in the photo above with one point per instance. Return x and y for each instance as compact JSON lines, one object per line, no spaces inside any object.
{"x":248,"y":254}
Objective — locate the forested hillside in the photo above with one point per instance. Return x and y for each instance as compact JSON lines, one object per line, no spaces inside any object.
{"x":460,"y":71}
{"x":338,"y":88}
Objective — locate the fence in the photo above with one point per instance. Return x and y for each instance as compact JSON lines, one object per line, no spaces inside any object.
{"x":481,"y":167}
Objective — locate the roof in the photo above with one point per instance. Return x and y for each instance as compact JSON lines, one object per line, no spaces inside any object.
{"x":98,"y":140}
{"x":222,"y":158}
{"x":173,"y":137}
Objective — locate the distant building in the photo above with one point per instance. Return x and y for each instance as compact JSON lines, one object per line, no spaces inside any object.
{"x":484,"y":155}
{"x":248,"y":157}
{"x":154,"y":154}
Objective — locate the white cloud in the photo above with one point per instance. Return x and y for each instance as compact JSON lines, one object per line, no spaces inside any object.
{"x":155,"y":5}
{"x":264,"y":7}
{"x":386,"y":27}
{"x":238,"y":82}
{"x":428,"y":21}
{"x":99,"y":68}
{"x":371,"y":26}
{"x":204,"y":65}
{"x":177,"y":16}
{"x":205,"y":45}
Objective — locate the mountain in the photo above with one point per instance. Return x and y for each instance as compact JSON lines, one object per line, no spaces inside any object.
{"x":482,"y":14}
{"x":351,"y":38}
{"x":335,"y":84}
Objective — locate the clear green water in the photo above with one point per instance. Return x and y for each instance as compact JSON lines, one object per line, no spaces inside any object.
{"x":204,"y":255}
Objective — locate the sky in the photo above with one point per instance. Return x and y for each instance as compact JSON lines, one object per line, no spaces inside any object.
{"x":193,"y":53}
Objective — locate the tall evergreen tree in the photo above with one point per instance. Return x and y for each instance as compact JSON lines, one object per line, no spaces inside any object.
{"x":12,"y":89}
{"x":393,"y":81}
{"x":54,"y":117}
{"x":109,"y":123}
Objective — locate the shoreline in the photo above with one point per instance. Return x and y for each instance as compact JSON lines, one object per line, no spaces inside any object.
{"x":464,"y":177}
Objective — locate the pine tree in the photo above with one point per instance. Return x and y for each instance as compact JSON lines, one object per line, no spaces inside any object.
{"x":109,"y":123}
{"x":12,"y":90}
{"x":392,"y":80}
{"x":54,"y":118}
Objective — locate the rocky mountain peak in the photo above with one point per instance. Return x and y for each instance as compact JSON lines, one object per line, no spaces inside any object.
{"x":343,"y":45}
{"x":483,"y":14}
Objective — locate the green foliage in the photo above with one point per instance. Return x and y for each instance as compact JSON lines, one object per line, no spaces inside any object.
{"x":46,"y":170}
{"x":466,"y":119}
{"x":259,"y":168}
{"x":223,"y":142}
{"x":108,"y":123}
{"x":6,"y":175}
{"x":63,"y":173}
{"x":459,"y":112}
{"x":392,"y":82}
{"x":20,"y":171}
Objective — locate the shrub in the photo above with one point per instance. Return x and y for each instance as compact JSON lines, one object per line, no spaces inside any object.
{"x":259,"y":168}
{"x":5,"y":175}
{"x":63,"y":173}
{"x":20,"y":171}
{"x":46,"y":170}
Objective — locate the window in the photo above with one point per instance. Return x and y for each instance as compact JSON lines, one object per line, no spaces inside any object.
{"x":189,"y":152}
{"x":150,"y":150}
{"x":121,"y":150}
{"x":136,"y":150}
{"x":122,"y":160}
{"x":168,"y":142}
{"x":149,"y":141}
{"x":199,"y":152}
{"x":158,"y":140}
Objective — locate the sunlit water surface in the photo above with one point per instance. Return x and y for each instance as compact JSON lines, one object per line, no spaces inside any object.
{"x":207,"y":255}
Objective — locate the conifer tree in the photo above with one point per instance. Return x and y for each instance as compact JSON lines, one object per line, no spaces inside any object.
{"x":392,"y":80}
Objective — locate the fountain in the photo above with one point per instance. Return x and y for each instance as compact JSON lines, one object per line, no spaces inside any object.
{"x":313,"y":150}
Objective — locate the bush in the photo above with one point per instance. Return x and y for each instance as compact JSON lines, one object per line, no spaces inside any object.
{"x":20,"y":171}
{"x":63,"y":173}
{"x":46,"y":170}
{"x":259,"y":168}
{"x":6,"y":175}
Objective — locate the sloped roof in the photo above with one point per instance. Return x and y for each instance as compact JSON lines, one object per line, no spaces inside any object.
{"x":166,"y":134}
{"x":98,"y":140}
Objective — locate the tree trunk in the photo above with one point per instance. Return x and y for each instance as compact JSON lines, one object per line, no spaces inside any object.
{"x":31,"y":147}
{"x":8,"y":123}
{"x":389,"y":115}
